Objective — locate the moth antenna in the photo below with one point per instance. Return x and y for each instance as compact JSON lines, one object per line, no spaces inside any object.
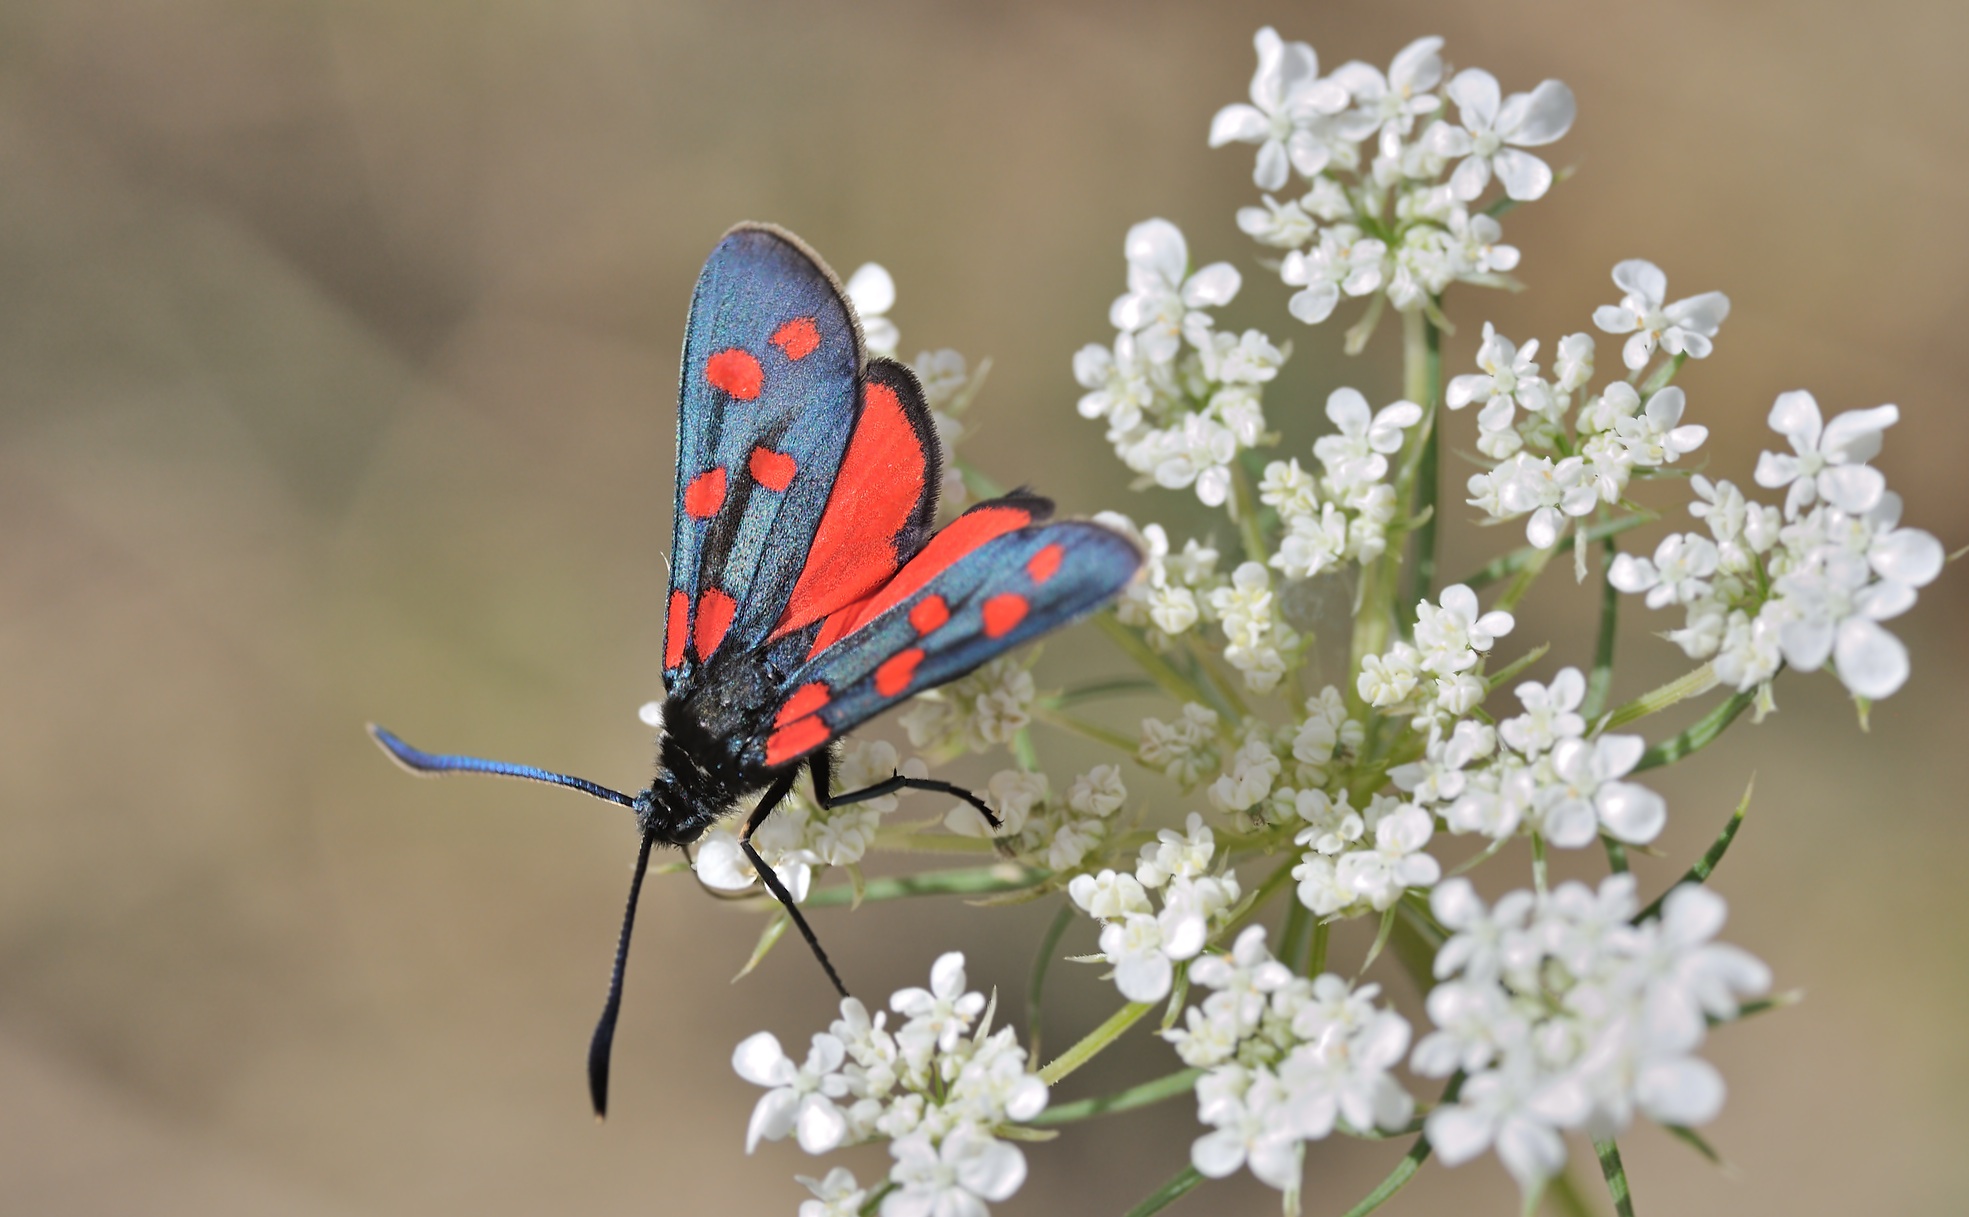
{"x":417,"y":761}
{"x":603,"y":1043}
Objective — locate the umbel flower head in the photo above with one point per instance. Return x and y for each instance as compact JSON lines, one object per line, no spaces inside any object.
{"x":1315,"y":727}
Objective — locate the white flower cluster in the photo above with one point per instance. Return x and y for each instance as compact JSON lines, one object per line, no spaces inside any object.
{"x":1145,"y":944}
{"x":1562,"y":1013}
{"x":1181,"y":400}
{"x":935,"y":1087}
{"x":1434,"y":679}
{"x":973,"y":713}
{"x":801,"y":836}
{"x":1538,"y":772}
{"x":1180,"y":592}
{"x":1172,"y":594}
{"x":1343,"y":515}
{"x":1555,"y":474}
{"x":1390,"y":174}
{"x":1057,"y":834}
{"x":1805,"y":585}
{"x":1289,"y":1060}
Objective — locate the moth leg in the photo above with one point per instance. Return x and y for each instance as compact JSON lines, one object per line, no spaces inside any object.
{"x":823,"y":771}
{"x":776,"y":794}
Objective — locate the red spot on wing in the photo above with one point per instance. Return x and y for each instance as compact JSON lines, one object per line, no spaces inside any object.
{"x":773,"y":470}
{"x":806,"y":699}
{"x":714,"y":617}
{"x":795,"y":740}
{"x":737,"y":372}
{"x":676,"y":630}
{"x":705,"y":494}
{"x":965,"y":533}
{"x":1045,"y":564}
{"x":929,"y":613}
{"x":896,"y":672}
{"x":1002,"y":612}
{"x":797,"y":338}
{"x":875,"y":494}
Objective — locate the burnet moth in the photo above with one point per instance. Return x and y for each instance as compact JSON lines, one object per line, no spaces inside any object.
{"x":809,"y":589}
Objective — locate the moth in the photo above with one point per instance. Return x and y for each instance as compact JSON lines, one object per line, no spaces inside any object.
{"x":809,"y":588}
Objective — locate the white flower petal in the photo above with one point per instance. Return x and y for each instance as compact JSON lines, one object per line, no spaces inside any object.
{"x":1641,"y":278}
{"x":1795,"y":415}
{"x":1871,"y":662}
{"x":1524,"y":175}
{"x":1239,"y":123}
{"x":1908,"y":556}
{"x":1456,"y":1133}
{"x":1213,"y":286}
{"x":1545,"y":114}
{"x":1218,"y":1154}
{"x":761,"y":1061}
{"x":1633,"y":814}
{"x":1853,"y":489}
{"x":1685,"y":1092}
{"x":1476,"y":92}
{"x":871,"y":290}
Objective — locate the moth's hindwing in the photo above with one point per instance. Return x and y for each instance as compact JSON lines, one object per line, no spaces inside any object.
{"x":993,"y":580}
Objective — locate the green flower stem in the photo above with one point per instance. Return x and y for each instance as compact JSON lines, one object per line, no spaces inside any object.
{"x":969,"y":881}
{"x":1094,"y":1041}
{"x":1654,"y":701}
{"x":1280,"y":877}
{"x":1663,"y":374}
{"x":1700,"y":735}
{"x":1600,"y":683}
{"x":1179,"y":1083}
{"x":1316,"y":949}
{"x":1498,"y":678}
{"x":1244,"y":502}
{"x":1227,"y":694}
{"x":1185,"y":1182}
{"x":1415,"y":943}
{"x":1527,"y":575}
{"x":1610,"y":1166}
{"x":1423,"y":384}
{"x":1080,"y":726}
{"x":915,"y":841}
{"x":1123,"y":686}
{"x":1293,"y":935}
{"x":870,"y":1206}
{"x":1137,"y":648}
{"x":1518,"y":559}
{"x":1042,"y":960}
{"x":1705,"y":865}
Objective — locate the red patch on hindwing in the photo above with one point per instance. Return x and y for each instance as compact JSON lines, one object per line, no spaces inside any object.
{"x":897,"y":671}
{"x":930,"y":613}
{"x":1002,"y":612}
{"x":964,"y":534}
{"x":876,"y":493}
{"x":714,"y":617}
{"x":737,"y":372}
{"x":794,"y":740}
{"x":676,"y":630}
{"x":806,"y":699}
{"x":705,"y":494}
{"x":1046,"y":563}
{"x":797,"y":338}
{"x":773,"y":470}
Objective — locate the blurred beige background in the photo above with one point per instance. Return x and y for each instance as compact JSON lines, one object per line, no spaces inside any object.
{"x":337,"y":354}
